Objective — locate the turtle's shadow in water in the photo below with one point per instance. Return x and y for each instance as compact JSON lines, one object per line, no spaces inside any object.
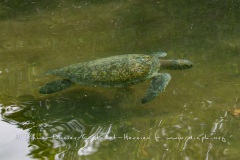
{"x":70,"y":115}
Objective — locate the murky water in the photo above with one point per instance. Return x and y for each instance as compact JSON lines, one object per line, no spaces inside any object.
{"x":191,"y":120}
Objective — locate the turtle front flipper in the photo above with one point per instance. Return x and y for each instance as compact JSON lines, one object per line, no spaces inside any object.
{"x":55,"y":86}
{"x":158,"y":85}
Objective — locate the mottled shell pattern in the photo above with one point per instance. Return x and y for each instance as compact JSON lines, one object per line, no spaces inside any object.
{"x":115,"y":71}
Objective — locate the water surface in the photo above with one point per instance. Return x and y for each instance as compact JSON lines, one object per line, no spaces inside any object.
{"x":191,"y":120}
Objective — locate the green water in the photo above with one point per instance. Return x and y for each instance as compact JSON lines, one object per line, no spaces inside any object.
{"x":190,"y":120}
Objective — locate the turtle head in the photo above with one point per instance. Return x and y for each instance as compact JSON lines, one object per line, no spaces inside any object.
{"x":182,"y":64}
{"x":176,"y":64}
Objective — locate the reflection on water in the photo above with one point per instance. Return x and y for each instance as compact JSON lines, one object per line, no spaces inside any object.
{"x":94,"y":141}
{"x":83,"y":129}
{"x":54,"y":131}
{"x":190,"y":120}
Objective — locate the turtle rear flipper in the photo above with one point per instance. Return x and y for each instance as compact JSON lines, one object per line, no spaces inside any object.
{"x":55,"y":86}
{"x":158,"y":85}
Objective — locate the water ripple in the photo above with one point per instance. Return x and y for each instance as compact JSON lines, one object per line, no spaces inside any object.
{"x":92,"y":142}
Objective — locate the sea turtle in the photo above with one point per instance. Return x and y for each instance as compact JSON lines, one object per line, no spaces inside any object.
{"x":118,"y":71}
